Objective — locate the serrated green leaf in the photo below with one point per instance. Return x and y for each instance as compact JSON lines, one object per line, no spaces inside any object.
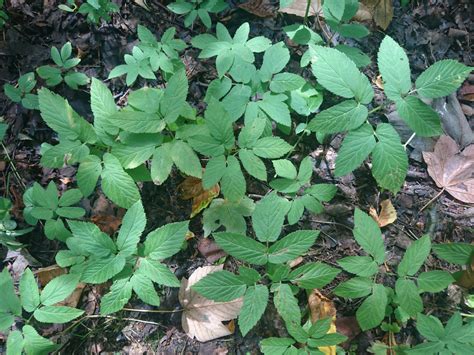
{"x":242,"y":247}
{"x":220,"y":286}
{"x":15,"y":343}
{"x":275,"y":346}
{"x":117,"y":184}
{"x":291,"y":246}
{"x":92,"y":241}
{"x":144,"y":289}
{"x":166,"y":240}
{"x":269,"y":216}
{"x":284,"y":168}
{"x":255,"y":303}
{"x":356,"y":147}
{"x":56,"y":314}
{"x":233,"y":184}
{"x":253,"y":164}
{"x":395,"y":69}
{"x":344,"y":116}
{"x":434,"y":281}
{"x":157,"y":272}
{"x":275,"y":107}
{"x":389,"y":159}
{"x":35,"y":344}
{"x":215,"y":169}
{"x":6,"y":320}
{"x":415,"y":256}
{"x":9,"y":301}
{"x":271,"y":147}
{"x":356,"y":287}
{"x":407,"y":296}
{"x":103,"y":106}
{"x":275,"y":59}
{"x":174,"y":96}
{"x":442,"y":78}
{"x":313,"y":275}
{"x":88,"y":173}
{"x":323,"y":192}
{"x":372,"y":311}
{"x":29,"y":291}
{"x":97,"y":271}
{"x":185,"y":159}
{"x":119,"y":294}
{"x":59,"y":288}
{"x":455,"y":253}
{"x":420,"y":117}
{"x":133,"y":225}
{"x":368,"y":235}
{"x":359,"y":265}
{"x":429,"y":327}
{"x":161,"y":164}
{"x":286,"y":82}
{"x":287,"y":304}
{"x":70,"y":197}
{"x":338,"y":74}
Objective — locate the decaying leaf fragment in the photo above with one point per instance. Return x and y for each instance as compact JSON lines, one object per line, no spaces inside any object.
{"x":452,"y":170}
{"x":202,"y":318}
{"x":191,"y":188}
{"x":322,"y":307}
{"x":387,"y":214}
{"x":298,"y":8}
{"x":380,"y":10}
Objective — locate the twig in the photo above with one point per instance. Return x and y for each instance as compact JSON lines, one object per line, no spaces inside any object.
{"x":434,"y":198}
{"x":409,"y":140}
{"x":153,"y":310}
{"x":15,"y":172}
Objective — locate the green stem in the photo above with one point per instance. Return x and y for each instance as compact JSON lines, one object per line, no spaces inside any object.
{"x":378,"y":108}
{"x":306,"y":13}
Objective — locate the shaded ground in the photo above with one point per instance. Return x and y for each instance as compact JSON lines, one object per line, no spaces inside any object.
{"x":429,"y":31}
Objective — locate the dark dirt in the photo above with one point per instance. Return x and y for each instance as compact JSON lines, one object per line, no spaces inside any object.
{"x":428,"y":30}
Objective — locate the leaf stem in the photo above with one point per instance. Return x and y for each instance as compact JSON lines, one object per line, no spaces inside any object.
{"x":434,"y":198}
{"x":306,"y":13}
{"x":375,"y":109}
{"x":409,"y":140}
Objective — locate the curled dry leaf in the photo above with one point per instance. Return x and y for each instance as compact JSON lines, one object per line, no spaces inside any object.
{"x":381,"y":11}
{"x":202,"y":318}
{"x":322,"y":307}
{"x":191,"y":188}
{"x":387,"y":214}
{"x":210,"y":250}
{"x":452,"y":170}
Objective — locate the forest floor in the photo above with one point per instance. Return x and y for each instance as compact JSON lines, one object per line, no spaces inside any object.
{"x":428,"y":30}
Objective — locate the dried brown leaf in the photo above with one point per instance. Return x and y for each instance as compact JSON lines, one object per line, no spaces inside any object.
{"x":381,"y":11}
{"x":260,"y":8}
{"x":298,"y":8}
{"x":452,"y":170}
{"x":387,"y":214}
{"x":202,"y":318}
{"x":322,"y":307}
{"x":210,"y":250}
{"x":191,"y":188}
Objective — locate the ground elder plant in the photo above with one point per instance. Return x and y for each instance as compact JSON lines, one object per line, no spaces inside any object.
{"x":254,"y":115}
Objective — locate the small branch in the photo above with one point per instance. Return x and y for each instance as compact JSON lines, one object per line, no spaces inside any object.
{"x":153,"y":310}
{"x":409,"y":140}
{"x":434,"y":198}
{"x":378,"y":108}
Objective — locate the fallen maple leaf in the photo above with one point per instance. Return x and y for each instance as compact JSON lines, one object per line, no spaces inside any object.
{"x":191,"y":188}
{"x":202,"y":318}
{"x":322,"y":307}
{"x":387,"y":215}
{"x":452,"y":170}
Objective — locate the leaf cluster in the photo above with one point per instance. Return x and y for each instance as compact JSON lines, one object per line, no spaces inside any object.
{"x":195,"y":9}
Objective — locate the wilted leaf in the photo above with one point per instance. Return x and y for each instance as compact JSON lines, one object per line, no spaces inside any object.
{"x":202,"y":318}
{"x":452,"y":170}
{"x":322,"y":307}
{"x":260,"y":8}
{"x":298,"y":8}
{"x":387,"y":214}
{"x":108,"y":224}
{"x":191,"y":188}
{"x":381,"y":11}
{"x":210,"y":250}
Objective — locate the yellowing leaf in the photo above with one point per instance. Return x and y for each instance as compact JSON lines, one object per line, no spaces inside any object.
{"x":191,"y":188}
{"x":322,"y":307}
{"x":202,"y":318}
{"x":387,"y":214}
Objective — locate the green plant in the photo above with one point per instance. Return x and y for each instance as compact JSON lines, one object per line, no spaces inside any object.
{"x":150,"y":56}
{"x":44,"y":204}
{"x":379,"y":300}
{"x":3,"y":14}
{"x":54,"y":75}
{"x":97,"y":258}
{"x":338,"y":13}
{"x":197,"y":8}
{"x":41,"y":305}
{"x":94,"y":9}
{"x":454,"y":338}
{"x":273,"y":255}
{"x":310,"y":337}
{"x":22,"y":93}
{"x":8,"y":226}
